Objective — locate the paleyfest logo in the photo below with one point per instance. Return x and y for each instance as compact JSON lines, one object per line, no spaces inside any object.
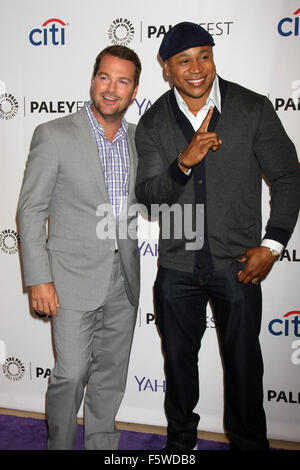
{"x":52,"y":32}
{"x":289,"y":26}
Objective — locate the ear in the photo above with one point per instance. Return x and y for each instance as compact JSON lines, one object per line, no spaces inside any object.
{"x":166,"y":68}
{"x":134,"y":93}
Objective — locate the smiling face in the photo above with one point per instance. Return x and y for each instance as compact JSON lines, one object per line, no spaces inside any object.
{"x":113,"y":89}
{"x":192,"y":72}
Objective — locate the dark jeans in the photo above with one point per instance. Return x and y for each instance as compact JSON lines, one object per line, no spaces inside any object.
{"x":181,"y":299}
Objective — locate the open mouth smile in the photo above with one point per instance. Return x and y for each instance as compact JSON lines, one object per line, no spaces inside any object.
{"x":195,"y":81}
{"x":110,"y":99}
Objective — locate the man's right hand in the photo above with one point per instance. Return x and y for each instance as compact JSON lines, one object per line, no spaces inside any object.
{"x":44,"y":299}
{"x":201,"y":143}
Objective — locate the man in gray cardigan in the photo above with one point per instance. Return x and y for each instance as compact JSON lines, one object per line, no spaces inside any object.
{"x":80,"y":175}
{"x":202,"y":147}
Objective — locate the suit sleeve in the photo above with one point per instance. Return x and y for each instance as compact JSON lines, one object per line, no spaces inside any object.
{"x":158,"y":181}
{"x":277,"y":157}
{"x":33,"y":208}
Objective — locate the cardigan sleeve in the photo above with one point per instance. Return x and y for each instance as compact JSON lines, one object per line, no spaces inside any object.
{"x":158,"y":182}
{"x":277,"y":157}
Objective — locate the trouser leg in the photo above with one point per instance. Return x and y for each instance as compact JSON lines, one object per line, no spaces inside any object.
{"x":180,"y":308}
{"x":91,"y":347}
{"x":107,"y":377}
{"x":237,"y":308}
{"x":73,"y":333}
{"x":180,"y":304}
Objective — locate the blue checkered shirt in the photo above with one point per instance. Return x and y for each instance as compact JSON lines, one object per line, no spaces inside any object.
{"x":115,"y":161}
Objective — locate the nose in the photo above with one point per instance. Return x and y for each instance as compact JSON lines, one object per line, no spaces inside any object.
{"x":196,"y":66}
{"x":112,"y":87}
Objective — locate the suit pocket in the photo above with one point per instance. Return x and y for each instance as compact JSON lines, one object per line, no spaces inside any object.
{"x":65,"y":245}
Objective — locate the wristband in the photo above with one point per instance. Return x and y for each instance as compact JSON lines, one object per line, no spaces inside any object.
{"x":180,"y":162}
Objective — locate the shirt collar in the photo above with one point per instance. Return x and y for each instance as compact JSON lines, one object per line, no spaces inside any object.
{"x":97,"y":126}
{"x":213,"y":99}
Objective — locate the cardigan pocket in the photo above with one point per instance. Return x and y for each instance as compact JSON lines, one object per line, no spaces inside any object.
{"x":240,"y":238}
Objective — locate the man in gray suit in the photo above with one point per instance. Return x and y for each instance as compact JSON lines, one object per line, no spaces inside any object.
{"x":80,"y":177}
{"x":203,"y":144}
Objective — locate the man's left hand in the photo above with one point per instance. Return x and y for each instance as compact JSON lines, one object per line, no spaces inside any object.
{"x":259,"y":262}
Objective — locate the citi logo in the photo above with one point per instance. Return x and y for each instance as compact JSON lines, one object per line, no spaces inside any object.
{"x":289,"y":26}
{"x":288,"y":326}
{"x":51,"y":33}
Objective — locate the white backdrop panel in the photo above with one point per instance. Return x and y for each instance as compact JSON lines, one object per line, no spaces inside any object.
{"x":45,"y":73}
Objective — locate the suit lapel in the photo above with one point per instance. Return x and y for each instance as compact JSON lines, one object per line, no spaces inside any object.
{"x":133,"y":162}
{"x":88,"y":150}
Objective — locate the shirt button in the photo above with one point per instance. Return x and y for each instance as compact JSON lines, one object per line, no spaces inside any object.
{"x":200,"y":181}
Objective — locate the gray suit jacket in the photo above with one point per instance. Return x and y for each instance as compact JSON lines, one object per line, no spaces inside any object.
{"x":254,"y":141}
{"x":64,"y":183}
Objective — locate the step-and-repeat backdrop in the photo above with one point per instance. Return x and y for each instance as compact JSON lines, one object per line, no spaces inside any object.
{"x":47,"y":54}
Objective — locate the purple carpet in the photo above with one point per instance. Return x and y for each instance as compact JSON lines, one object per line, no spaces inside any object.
{"x":31,"y":434}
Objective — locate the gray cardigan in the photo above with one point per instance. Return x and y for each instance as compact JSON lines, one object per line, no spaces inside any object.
{"x":254,"y":142}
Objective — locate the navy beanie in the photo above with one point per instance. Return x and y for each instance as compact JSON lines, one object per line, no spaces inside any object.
{"x":184,"y":36}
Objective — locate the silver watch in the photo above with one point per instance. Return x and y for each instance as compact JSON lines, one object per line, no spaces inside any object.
{"x":274,"y":252}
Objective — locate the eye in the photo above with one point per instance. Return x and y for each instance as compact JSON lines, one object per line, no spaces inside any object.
{"x":183,"y":61}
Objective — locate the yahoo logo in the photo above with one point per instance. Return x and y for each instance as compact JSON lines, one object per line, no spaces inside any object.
{"x":53,"y":32}
{"x":146,"y":384}
{"x":289,"y":26}
{"x":143,"y":106}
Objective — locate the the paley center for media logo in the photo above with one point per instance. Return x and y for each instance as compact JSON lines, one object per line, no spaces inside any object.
{"x":9,"y":106}
{"x":121,"y":31}
{"x":9,"y":242}
{"x":13,"y":369}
